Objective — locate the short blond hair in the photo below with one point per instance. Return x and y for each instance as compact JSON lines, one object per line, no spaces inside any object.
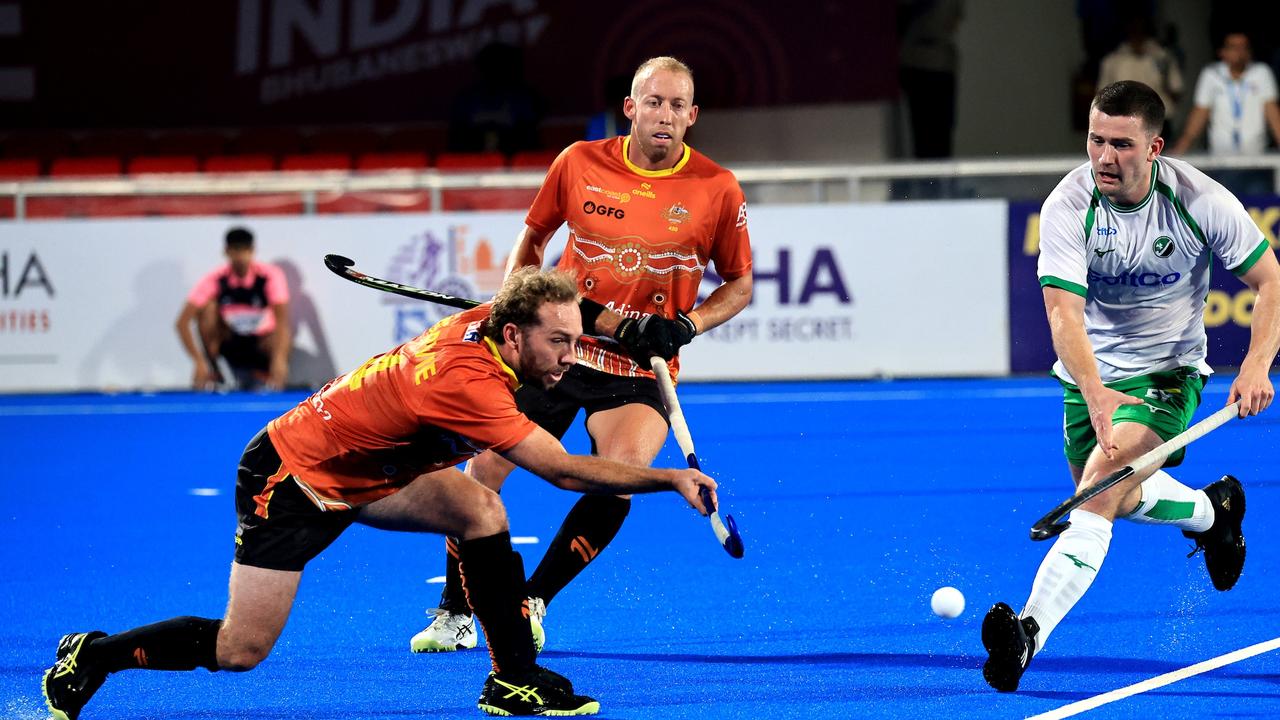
{"x":652,"y":65}
{"x":523,"y":293}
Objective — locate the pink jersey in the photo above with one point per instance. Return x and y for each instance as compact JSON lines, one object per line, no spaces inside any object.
{"x":244,"y":302}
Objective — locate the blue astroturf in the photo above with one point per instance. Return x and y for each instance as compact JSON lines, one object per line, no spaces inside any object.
{"x":856,"y":501}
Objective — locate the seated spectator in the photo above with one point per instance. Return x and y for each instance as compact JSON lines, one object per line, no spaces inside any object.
{"x":242,"y":312}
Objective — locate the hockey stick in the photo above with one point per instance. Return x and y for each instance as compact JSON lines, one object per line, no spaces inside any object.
{"x":346,"y":268}
{"x":727,"y":530}
{"x":1051,"y":525}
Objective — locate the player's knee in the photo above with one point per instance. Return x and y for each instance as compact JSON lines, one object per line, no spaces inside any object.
{"x":486,"y":515}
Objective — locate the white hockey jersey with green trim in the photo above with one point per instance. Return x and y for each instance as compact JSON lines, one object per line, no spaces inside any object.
{"x":1144,"y":270}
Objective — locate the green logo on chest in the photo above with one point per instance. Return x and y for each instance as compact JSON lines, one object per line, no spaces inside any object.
{"x":1163,"y":246}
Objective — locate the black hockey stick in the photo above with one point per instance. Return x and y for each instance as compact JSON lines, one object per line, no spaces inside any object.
{"x":1051,"y":525}
{"x":345,"y":267}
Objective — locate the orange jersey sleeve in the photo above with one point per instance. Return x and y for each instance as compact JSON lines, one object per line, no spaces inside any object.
{"x":640,"y":240}
{"x":428,"y":404}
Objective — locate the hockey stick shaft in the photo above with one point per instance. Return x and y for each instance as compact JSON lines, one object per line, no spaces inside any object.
{"x":726,"y":534}
{"x":345,"y":267}
{"x":1051,"y":524}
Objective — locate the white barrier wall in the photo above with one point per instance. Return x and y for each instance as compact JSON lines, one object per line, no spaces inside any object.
{"x":841,"y":291}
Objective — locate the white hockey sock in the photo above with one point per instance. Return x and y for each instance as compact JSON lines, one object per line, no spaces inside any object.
{"x":1067,"y":571}
{"x":1165,"y":501}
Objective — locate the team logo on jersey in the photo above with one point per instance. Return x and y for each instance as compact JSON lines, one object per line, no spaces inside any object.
{"x":676,"y":214}
{"x":1163,"y":246}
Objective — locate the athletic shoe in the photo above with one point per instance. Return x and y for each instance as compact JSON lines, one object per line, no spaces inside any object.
{"x":537,"y":691}
{"x":69,"y":684}
{"x":537,"y":613}
{"x":1223,"y":542}
{"x":446,"y":633}
{"x":1010,"y":642}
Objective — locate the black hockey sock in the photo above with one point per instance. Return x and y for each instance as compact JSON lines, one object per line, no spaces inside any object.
{"x":452,"y":598}
{"x":493,"y":581}
{"x":181,"y":643}
{"x":590,"y":526}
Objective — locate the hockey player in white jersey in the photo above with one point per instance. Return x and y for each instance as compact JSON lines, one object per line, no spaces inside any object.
{"x":1126,"y":242}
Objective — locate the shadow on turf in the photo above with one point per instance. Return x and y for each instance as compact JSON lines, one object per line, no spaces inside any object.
{"x":1073,"y":665}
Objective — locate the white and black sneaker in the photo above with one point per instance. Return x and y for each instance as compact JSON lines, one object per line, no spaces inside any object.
{"x":447,"y":632}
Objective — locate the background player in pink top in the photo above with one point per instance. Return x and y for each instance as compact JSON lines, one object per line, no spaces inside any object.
{"x":242,"y":312}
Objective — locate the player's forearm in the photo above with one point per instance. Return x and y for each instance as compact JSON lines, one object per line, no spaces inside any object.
{"x":596,"y":475}
{"x":187,"y":338}
{"x":725,"y":302}
{"x":1071,"y":344}
{"x":1264,"y":329}
{"x":528,"y":250}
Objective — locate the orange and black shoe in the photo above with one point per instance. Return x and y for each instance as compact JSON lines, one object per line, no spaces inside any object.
{"x":537,"y":691}
{"x":1223,"y":542}
{"x":70,"y":683}
{"x":1010,"y":643}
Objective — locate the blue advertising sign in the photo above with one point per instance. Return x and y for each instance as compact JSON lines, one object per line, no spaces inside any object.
{"x":1228,"y":307}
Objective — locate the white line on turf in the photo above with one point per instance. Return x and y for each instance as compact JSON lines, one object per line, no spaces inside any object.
{"x":1076,"y":708}
{"x":437,"y":580}
{"x":205,"y":492}
{"x":524,"y":539}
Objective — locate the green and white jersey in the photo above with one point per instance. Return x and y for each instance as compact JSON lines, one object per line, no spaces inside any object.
{"x":1143,"y":270}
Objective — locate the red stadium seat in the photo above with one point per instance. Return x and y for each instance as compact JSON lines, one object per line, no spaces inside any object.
{"x":19,"y":168}
{"x":200,"y":143}
{"x":144,"y":164}
{"x":105,"y":143}
{"x":322,"y":161}
{"x":345,"y":140}
{"x":533,"y":159}
{"x":392,"y":161}
{"x":267,"y":141}
{"x":239,"y":163}
{"x":85,"y":167}
{"x":417,"y":138}
{"x":471,"y":161}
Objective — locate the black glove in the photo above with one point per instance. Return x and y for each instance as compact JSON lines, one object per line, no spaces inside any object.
{"x":654,"y":335}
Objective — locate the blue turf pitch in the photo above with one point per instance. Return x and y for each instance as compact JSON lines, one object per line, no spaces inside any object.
{"x":856,"y":501}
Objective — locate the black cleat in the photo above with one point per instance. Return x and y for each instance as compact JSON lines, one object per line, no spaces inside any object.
{"x":537,"y":691}
{"x":69,"y":684}
{"x":1010,"y":642}
{"x":1223,"y":543}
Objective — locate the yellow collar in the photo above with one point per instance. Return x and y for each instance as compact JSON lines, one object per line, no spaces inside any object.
{"x":493,"y":350}
{"x":626,"y":158}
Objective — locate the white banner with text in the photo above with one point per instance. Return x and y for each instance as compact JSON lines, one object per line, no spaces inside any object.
{"x":841,"y":291}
